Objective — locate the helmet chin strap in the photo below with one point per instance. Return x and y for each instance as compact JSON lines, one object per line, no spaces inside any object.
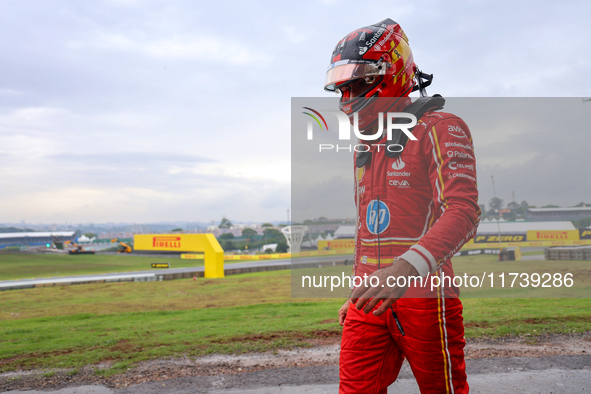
{"x":361,"y":96}
{"x":423,"y":80}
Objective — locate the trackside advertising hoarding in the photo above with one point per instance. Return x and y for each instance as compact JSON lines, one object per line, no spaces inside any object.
{"x":553,"y":235}
{"x":207,"y":243}
{"x":540,"y":239}
{"x":345,"y":243}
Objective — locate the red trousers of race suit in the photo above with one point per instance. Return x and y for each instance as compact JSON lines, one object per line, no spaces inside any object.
{"x":373,"y":349}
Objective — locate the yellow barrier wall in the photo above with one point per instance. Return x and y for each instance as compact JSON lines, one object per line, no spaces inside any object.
{"x":206,"y":243}
{"x":472,"y":245}
{"x":257,"y":256}
{"x":532,"y":239}
{"x":553,"y":235}
{"x":193,"y":256}
{"x":241,"y":256}
{"x":271,"y":256}
{"x":490,"y":238}
{"x":326,"y":252}
{"x":345,"y":243}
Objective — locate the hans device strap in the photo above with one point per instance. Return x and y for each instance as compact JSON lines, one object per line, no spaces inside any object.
{"x":418,"y":109}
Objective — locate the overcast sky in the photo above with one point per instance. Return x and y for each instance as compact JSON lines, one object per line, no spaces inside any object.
{"x":536,"y":147}
{"x":146,"y":111}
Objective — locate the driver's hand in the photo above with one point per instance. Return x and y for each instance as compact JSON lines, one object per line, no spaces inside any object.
{"x":343,"y":312}
{"x":367,"y":297}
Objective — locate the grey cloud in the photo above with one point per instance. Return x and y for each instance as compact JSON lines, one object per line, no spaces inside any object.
{"x":538,"y":148}
{"x":546,"y":179}
{"x":69,"y":57}
{"x":546,"y":161}
{"x":275,"y":198}
{"x":331,"y":198}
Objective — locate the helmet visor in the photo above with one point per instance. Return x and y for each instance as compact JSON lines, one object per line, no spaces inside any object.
{"x":343,"y":72}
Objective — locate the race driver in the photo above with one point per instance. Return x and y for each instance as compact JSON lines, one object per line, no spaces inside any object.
{"x":417,"y":206}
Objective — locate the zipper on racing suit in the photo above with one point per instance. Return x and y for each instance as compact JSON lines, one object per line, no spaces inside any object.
{"x":379,"y":257}
{"x":398,"y":324}
{"x":377,"y":231}
{"x":397,"y":321}
{"x":378,"y":228}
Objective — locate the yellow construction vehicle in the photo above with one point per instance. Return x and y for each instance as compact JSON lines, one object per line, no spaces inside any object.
{"x":125,"y":248}
{"x":77,"y":248}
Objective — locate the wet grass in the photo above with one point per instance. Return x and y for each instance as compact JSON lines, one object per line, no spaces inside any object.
{"x":471,"y":270}
{"x":125,"y":297}
{"x":496,"y":317}
{"x":123,"y":323}
{"x":82,"y":339}
{"x":533,"y":253}
{"x":125,"y":338}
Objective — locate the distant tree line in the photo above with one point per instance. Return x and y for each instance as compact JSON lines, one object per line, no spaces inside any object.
{"x":515,"y":210}
{"x":15,"y":230}
{"x":250,"y":240}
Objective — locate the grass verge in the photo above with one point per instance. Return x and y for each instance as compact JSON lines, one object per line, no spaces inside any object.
{"x":126,"y":338}
{"x":27,"y":266}
{"x":77,"y":340}
{"x":125,"y":297}
{"x":123,"y":323}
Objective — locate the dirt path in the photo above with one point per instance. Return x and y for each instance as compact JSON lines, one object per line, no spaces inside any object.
{"x":320,"y":357}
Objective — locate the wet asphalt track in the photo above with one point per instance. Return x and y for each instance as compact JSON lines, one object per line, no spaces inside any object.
{"x":556,"y":374}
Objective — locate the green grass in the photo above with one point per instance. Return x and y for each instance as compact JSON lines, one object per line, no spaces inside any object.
{"x":123,"y":323}
{"x":477,"y":266}
{"x":81,"y":339}
{"x":125,"y":338}
{"x":25,"y":266}
{"x":533,"y":253}
{"x":125,"y":297}
{"x":495,"y":317}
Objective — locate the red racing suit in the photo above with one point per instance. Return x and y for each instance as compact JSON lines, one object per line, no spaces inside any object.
{"x":422,"y":207}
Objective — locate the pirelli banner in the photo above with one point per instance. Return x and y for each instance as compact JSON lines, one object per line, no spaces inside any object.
{"x":553,"y":235}
{"x":345,"y":243}
{"x":206,"y":243}
{"x":532,"y":238}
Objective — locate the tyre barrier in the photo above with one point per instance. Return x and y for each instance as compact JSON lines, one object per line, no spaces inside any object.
{"x":568,"y":253}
